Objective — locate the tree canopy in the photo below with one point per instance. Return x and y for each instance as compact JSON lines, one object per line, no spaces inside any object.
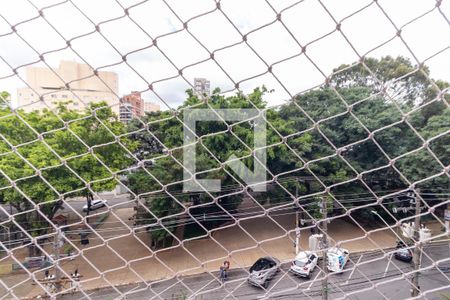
{"x":47,"y":157}
{"x":389,"y":125}
{"x":378,"y":120}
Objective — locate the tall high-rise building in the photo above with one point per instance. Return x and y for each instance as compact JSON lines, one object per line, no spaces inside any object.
{"x":132,"y":106}
{"x":202,"y":86}
{"x":72,"y":83}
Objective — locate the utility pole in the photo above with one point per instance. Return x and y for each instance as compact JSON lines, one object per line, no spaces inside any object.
{"x":447,"y":215}
{"x":325,"y":247}
{"x":415,"y":289}
{"x":56,"y":247}
{"x":297,"y":229}
{"x":8,"y":234}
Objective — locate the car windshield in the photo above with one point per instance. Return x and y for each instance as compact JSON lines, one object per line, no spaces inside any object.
{"x":300,"y":263}
{"x":261,"y":264}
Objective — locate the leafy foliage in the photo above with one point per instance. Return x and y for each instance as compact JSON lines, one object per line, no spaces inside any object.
{"x":43,"y":151}
{"x":368,"y":126}
{"x":374,"y":122}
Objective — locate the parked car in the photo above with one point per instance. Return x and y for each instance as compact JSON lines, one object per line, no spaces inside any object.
{"x":337,"y":258}
{"x":96,"y":204}
{"x":263,"y":270}
{"x":402,"y":252}
{"x":304,"y":264}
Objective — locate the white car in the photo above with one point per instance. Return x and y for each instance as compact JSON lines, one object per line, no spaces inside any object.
{"x":96,"y":204}
{"x":304,"y":264}
{"x":337,"y":259}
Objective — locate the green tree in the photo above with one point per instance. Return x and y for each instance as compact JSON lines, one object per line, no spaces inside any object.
{"x":4,"y":99}
{"x":44,"y":155}
{"x":165,"y":131}
{"x":354,"y":87}
{"x":338,"y":128}
{"x":407,"y":83}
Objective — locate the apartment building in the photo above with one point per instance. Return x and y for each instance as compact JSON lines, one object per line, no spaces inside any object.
{"x":132,"y":106}
{"x":151,"y":107}
{"x":72,"y":83}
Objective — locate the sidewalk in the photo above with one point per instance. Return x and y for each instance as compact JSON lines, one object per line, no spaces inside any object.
{"x":242,"y":246}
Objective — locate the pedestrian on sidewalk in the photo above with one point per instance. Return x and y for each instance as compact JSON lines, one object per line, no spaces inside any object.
{"x":223,"y":270}
{"x":74,"y":285}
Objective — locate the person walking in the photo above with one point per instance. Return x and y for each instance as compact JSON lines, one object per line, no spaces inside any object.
{"x":74,"y":283}
{"x":224,"y":270}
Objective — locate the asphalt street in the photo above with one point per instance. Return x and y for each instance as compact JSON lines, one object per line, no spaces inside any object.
{"x":76,"y":204}
{"x":117,"y":201}
{"x":375,"y":277}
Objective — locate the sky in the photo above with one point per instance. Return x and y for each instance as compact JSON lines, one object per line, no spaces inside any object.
{"x":187,"y":32}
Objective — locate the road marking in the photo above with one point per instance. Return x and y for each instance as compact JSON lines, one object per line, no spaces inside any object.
{"x":387,"y":267}
{"x":133,"y":288}
{"x":314,"y":280}
{"x":89,"y":295}
{"x":354,"y":268}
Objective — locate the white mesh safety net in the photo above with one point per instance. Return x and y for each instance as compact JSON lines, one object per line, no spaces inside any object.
{"x":284,"y":149}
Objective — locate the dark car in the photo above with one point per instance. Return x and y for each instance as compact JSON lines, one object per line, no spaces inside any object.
{"x":263,"y":270}
{"x":403,"y":253}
